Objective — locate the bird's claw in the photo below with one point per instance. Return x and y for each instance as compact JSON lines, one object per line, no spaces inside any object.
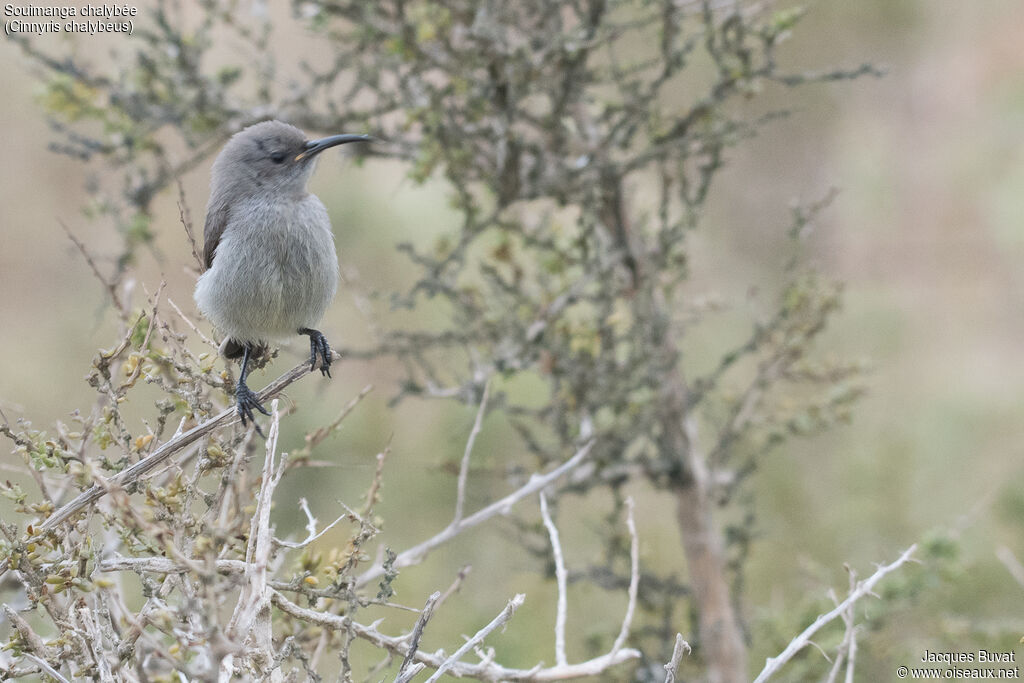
{"x":246,"y":401}
{"x":318,"y":346}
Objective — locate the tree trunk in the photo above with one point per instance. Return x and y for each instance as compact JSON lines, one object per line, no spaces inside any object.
{"x":721,"y":641}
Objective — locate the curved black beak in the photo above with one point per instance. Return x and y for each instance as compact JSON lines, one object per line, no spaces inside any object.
{"x":314,"y":147}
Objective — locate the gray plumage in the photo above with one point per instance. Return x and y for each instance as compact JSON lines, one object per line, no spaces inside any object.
{"x":271,"y":266}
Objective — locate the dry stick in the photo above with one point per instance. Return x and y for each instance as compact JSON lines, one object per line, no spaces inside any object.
{"x":487,"y":670}
{"x":186,"y":220}
{"x":460,"y":495}
{"x":378,"y":479}
{"x":499,"y":620}
{"x":192,"y":325}
{"x":94,"y":641}
{"x":848,"y":648}
{"x":851,"y":649}
{"x":165,"y":565}
{"x":169,"y":448}
{"x":45,"y":667}
{"x":249,"y":621}
{"x":311,"y":531}
{"x":773,"y":664}
{"x":408,"y":668}
{"x":32,"y":640}
{"x":314,"y":439}
{"x":110,"y":287}
{"x":456,"y":584}
{"x":560,"y":579}
{"x":634,"y":578}
{"x":417,"y":553}
{"x":681,"y":647}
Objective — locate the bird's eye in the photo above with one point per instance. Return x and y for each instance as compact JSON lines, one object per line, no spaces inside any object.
{"x":277,"y":157}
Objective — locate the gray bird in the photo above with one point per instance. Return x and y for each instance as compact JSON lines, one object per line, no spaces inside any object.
{"x":271,"y":267}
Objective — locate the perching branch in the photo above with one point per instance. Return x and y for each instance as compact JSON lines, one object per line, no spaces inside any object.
{"x":131,"y":474}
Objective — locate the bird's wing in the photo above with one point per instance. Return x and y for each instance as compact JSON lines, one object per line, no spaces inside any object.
{"x":216,"y":219}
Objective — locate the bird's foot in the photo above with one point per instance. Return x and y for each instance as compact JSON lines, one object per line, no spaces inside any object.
{"x":246,"y":401}
{"x":318,"y":346}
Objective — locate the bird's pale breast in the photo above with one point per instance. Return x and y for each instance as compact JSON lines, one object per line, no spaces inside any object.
{"x":275,"y":271}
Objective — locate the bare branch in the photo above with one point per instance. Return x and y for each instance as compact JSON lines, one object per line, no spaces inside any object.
{"x":498,"y":621}
{"x":162,"y":565}
{"x":460,"y":496}
{"x":192,"y":325}
{"x":560,"y":579}
{"x":634,"y":577}
{"x":186,"y":221}
{"x":456,"y":584}
{"x":773,"y":664}
{"x":250,"y":622}
{"x":681,"y":647}
{"x":110,"y":286}
{"x":154,"y":459}
{"x":408,"y":670}
{"x":311,"y":526}
{"x":30,"y":638}
{"x":314,"y":439}
{"x":537,"y":482}
{"x":847,"y":650}
{"x":47,"y":669}
{"x":487,"y":670}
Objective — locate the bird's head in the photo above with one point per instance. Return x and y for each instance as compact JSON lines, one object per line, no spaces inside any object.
{"x":271,"y":156}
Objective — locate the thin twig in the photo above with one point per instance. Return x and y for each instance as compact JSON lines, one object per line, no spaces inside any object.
{"x":32,"y":640}
{"x":460,"y":495}
{"x":456,"y":585}
{"x":315,"y":438}
{"x":47,"y":669}
{"x":848,"y":648}
{"x":500,"y":620}
{"x":773,"y":664}
{"x":137,"y":370}
{"x":108,"y":285}
{"x":682,"y":647}
{"x":131,"y":474}
{"x":487,"y":670}
{"x":186,"y":220}
{"x":206,"y":340}
{"x":408,"y":669}
{"x":373,"y":493}
{"x":561,"y":578}
{"x":417,"y":553}
{"x":311,"y":531}
{"x":634,"y":578}
{"x":250,"y":622}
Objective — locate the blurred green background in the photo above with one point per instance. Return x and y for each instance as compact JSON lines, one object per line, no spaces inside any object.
{"x":927,"y":232}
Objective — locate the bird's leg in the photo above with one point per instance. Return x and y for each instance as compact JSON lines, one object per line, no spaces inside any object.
{"x":245,"y":399}
{"x":318,"y":346}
